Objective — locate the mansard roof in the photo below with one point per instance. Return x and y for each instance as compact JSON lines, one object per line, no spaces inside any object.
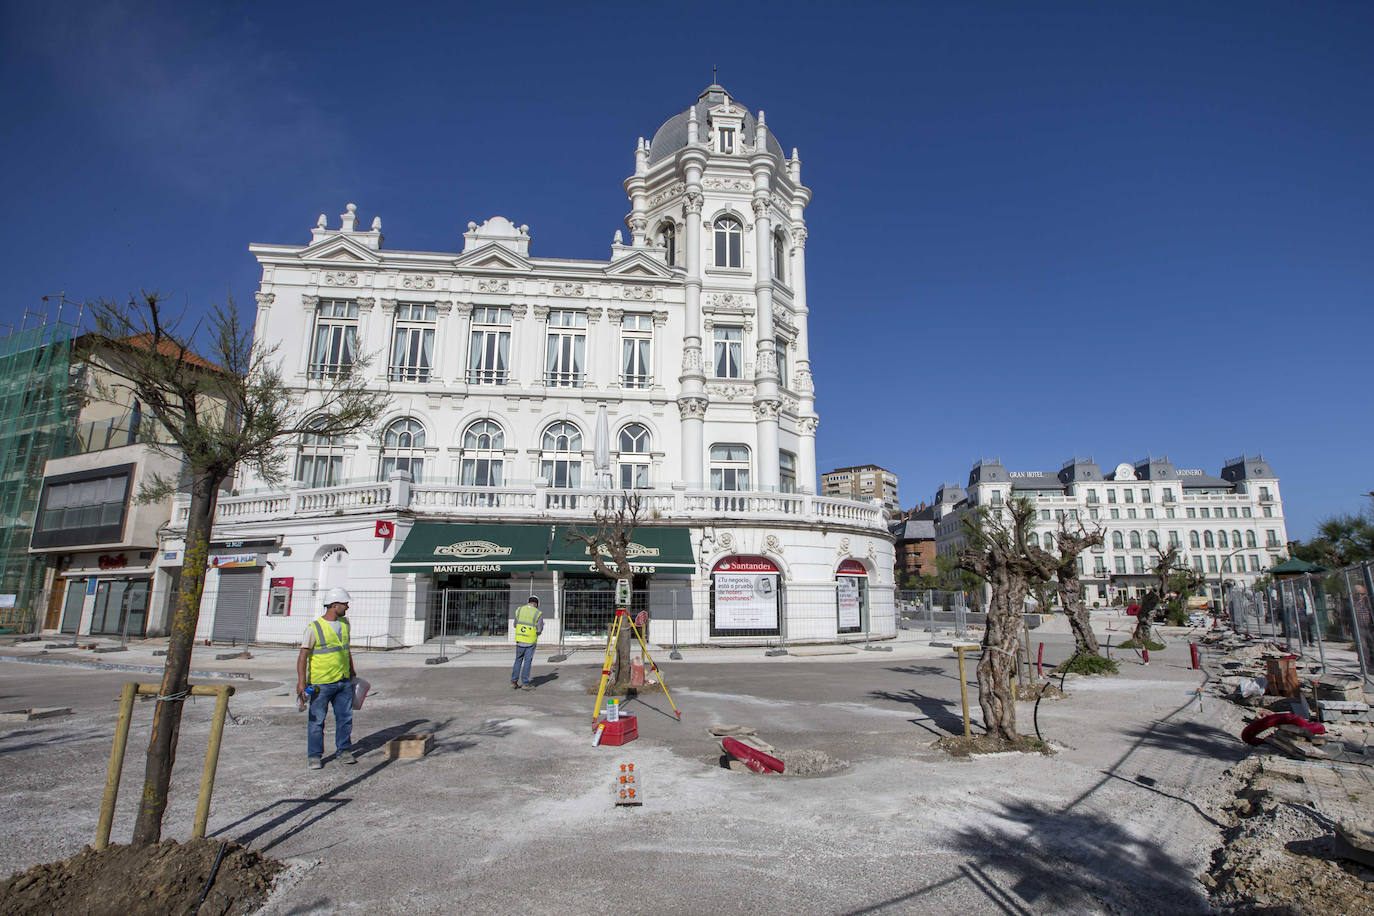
{"x":672,"y":136}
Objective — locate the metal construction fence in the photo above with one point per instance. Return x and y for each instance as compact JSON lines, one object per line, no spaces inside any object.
{"x":1309,"y":612}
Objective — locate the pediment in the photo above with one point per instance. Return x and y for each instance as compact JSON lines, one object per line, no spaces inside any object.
{"x":493,"y":257}
{"x":339,"y":249}
{"x":639,"y":266}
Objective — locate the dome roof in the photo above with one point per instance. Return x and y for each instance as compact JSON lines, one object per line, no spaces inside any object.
{"x":672,"y":136}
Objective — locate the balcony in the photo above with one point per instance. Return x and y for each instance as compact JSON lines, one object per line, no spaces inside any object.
{"x":445,"y":501}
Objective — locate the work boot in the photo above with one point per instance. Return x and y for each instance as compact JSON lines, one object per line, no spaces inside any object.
{"x":316,"y":763}
{"x":526,"y":686}
{"x":514,"y":685}
{"x":347,"y":757}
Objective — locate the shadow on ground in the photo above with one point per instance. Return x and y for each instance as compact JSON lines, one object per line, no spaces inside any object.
{"x":940,"y":714}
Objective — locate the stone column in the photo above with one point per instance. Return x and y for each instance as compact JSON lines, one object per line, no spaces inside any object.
{"x":766,"y":399}
{"x":692,"y":401}
{"x":806,"y":391}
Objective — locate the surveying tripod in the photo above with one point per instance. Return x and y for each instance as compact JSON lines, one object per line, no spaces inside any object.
{"x":622,"y":615}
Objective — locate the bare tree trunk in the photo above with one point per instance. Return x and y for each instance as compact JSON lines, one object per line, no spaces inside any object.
{"x":162,"y":747}
{"x":995,"y":669}
{"x":1143,"y":619}
{"x":620,"y":666}
{"x":1071,"y":597}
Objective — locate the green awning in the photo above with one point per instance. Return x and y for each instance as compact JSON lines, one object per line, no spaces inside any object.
{"x":652,"y":550}
{"x":486,"y":548}
{"x":435,"y":547}
{"x":1295,"y":567}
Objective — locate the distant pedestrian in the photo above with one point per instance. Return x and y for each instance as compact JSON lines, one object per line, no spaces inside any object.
{"x":529,"y":623}
{"x":326,"y":664}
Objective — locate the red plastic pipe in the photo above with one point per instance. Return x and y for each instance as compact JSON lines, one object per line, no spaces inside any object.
{"x":1251,"y":732}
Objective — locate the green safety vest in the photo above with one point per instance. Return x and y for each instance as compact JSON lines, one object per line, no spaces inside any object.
{"x":329,"y":658}
{"x":527,"y":624}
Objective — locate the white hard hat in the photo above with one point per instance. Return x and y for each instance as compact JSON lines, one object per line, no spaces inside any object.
{"x":336,"y":596}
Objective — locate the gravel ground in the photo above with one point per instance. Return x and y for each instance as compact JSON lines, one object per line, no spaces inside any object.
{"x":513,"y":811}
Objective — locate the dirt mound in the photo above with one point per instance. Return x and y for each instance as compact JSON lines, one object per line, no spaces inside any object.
{"x":166,"y":878}
{"x":959,"y":746}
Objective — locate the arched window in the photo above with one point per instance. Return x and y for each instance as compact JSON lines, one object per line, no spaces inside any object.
{"x":482,"y":459}
{"x":403,"y":448}
{"x":1117,"y":540}
{"x":780,"y":256}
{"x":1250,"y":539}
{"x":319,"y":458}
{"x":1193,"y":540}
{"x":1221,"y":539}
{"x":1135,"y":540}
{"x":729,"y":238}
{"x":1235,"y":539}
{"x":1152,"y":538}
{"x":561,"y":461}
{"x":667,"y":239}
{"x":1208,"y":540}
{"x":634,"y":457}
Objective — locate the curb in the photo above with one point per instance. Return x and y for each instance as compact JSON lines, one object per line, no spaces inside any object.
{"x":110,"y":666}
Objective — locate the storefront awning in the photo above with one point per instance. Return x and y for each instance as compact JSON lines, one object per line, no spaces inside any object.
{"x":433,"y":547}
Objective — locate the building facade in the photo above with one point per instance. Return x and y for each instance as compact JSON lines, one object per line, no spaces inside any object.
{"x":1228,"y":527}
{"x":913,"y":535}
{"x":864,"y":482}
{"x":524,"y":389}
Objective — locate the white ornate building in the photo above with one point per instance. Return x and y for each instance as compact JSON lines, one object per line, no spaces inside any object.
{"x":691,"y":338}
{"x":1228,"y":528}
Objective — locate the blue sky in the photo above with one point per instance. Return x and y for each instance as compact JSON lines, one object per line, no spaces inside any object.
{"x":1039,"y":230}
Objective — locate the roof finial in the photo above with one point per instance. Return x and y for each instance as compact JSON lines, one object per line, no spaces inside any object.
{"x":714,"y":81}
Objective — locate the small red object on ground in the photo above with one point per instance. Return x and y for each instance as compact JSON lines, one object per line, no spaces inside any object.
{"x":1192,"y":647}
{"x":1251,"y":732}
{"x":751,"y":757}
{"x":621,"y":731}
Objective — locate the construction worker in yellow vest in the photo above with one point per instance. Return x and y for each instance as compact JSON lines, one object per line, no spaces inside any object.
{"x":324,"y":673}
{"x":529,"y":623}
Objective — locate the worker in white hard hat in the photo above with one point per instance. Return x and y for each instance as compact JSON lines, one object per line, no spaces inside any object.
{"x":325,"y":666}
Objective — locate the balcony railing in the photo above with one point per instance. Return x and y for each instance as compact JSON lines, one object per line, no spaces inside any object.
{"x":439,"y":501}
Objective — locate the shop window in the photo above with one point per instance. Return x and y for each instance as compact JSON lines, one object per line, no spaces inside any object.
{"x":746,"y":597}
{"x":403,"y":449}
{"x":851,"y":597}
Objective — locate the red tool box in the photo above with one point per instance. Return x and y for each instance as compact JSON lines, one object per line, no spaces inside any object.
{"x":622,"y":731}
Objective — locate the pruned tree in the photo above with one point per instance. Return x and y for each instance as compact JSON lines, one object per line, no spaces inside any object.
{"x":608,"y":544}
{"x":998,"y":553}
{"x":215,"y":399}
{"x":1166,"y":565}
{"x":1071,"y":544}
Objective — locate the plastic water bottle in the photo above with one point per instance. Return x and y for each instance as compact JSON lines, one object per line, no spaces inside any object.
{"x":303,"y":701}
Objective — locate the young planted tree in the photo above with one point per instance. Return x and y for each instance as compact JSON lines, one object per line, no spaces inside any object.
{"x":216,"y":409}
{"x":1071,"y":544}
{"x":608,"y":544}
{"x":998,"y":553}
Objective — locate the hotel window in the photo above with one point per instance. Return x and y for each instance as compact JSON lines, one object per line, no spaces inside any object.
{"x":1271,"y":539}
{"x":412,"y":343}
{"x":634,"y":457}
{"x":787,"y":472}
{"x":1226,"y":564}
{"x":1118,"y":541}
{"x":334,"y":345}
{"x":403,"y":449}
{"x":1168,"y":494}
{"x":780,"y":354}
{"x":1149,"y":513}
{"x":1208,"y":540}
{"x":1206,"y":512}
{"x":1111,"y":496}
{"x":1173,"y":539}
{"x":1138,"y":565}
{"x":1211,"y":564}
{"x":1044,"y":515}
{"x":1192,"y":513}
{"x":1235,"y":538}
{"x":1130,"y":513}
{"x":728,"y":238}
{"x":1099,"y":568}
{"x":1231,"y":512}
{"x":1092,"y":512}
{"x":1221,"y":539}
{"x":1250,"y":539}
{"x":1254,"y":563}
{"x":1169,"y":512}
{"x":1145,"y":495}
{"x":489,"y":353}
{"x":561,"y":461}
{"x":319,"y":458}
{"x":779,"y":256}
{"x":1193,"y":540}
{"x":1135,"y":540}
{"x":729,"y":351}
{"x":483,"y":457}
{"x":1116,"y":513}
{"x":1268,"y":511}
{"x":1245,"y":511}
{"x":636,"y":342}
{"x":1197,"y":564}
{"x":565,"y":357}
{"x":1120,"y":564}
{"x":1130,"y":495}
{"x":1152,"y":538}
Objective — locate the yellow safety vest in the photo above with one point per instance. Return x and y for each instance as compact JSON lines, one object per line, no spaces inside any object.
{"x":329,"y":658}
{"x":527,"y":624}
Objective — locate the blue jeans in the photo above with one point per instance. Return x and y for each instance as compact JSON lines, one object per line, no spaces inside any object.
{"x":524,"y":657}
{"x":339,"y":695}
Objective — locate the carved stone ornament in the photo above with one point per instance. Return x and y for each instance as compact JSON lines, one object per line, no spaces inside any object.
{"x":766,"y":363}
{"x":782,"y":321}
{"x":660,"y":319}
{"x":789,"y":404}
{"x":692,"y":408}
{"x":734,"y":301}
{"x":637,"y":292}
{"x":799,"y":237}
{"x":443,"y":306}
{"x":541,"y":313}
{"x":265,"y":299}
{"x":692,"y":202}
{"x":463,"y":309}
{"x":760,"y":208}
{"x":808,"y":425}
{"x":615,"y":315}
{"x":727,"y":541}
{"x":691,"y":359}
{"x":388,"y":305}
{"x":802,"y":382}
{"x":767,"y":410}
{"x":365,"y":305}
{"x":310,"y":301}
{"x":772,"y":544}
{"x":667,"y":193}
{"x":843,"y":549}
{"x":518,"y":310}
{"x":593,"y":316}
{"x":727,"y":184}
{"x":492,"y":285}
{"x":568,"y":289}
{"x":730,"y":392}
{"x":340,"y":278}
{"x":417,"y":281}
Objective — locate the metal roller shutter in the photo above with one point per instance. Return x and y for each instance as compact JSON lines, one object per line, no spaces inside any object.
{"x":236,"y":605}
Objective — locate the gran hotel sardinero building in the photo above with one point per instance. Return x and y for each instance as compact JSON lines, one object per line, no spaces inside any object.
{"x":523,"y":389}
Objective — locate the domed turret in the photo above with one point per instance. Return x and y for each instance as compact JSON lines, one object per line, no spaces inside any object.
{"x":672,"y":136}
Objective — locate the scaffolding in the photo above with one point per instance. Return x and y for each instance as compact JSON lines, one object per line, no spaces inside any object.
{"x":38,"y":403}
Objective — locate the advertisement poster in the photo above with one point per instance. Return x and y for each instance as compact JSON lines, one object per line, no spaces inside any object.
{"x":746,"y":601}
{"x":847,"y":588}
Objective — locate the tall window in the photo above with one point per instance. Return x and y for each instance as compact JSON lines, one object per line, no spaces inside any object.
{"x":403,"y":448}
{"x":1221,"y":539}
{"x":1135,"y":540}
{"x":634,"y":457}
{"x":561,"y":461}
{"x":779,"y":257}
{"x":565,"y":357}
{"x":319,"y":458}
{"x":1118,"y":541}
{"x":335,"y":343}
{"x":729,"y":467}
{"x":1130,"y":496}
{"x":667,"y":239}
{"x":787,"y":472}
{"x":1193,"y":540}
{"x":725,"y":139}
{"x":636,"y":342}
{"x":1235,"y":539}
{"x":412,"y":343}
{"x":482,"y":458}
{"x":489,"y":352}
{"x":1207,"y":539}
{"x":780,"y":352}
{"x":729,"y":238}
{"x":729,"y":351}
{"x":1152,"y":538}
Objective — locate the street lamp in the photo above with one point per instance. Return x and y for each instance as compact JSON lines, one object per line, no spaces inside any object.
{"x":1221,"y":605}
